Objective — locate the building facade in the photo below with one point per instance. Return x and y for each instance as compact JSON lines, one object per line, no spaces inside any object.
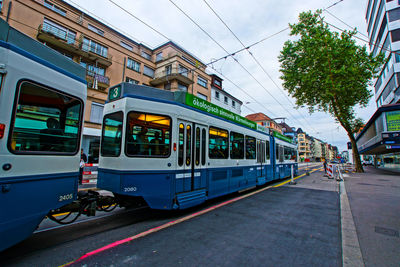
{"x":303,"y":145}
{"x":316,"y":150}
{"x":108,"y":56}
{"x":383,"y":27}
{"x":264,"y":120}
{"x":222,"y":98}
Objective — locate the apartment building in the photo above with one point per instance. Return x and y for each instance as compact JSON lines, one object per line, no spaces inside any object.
{"x":303,"y":145}
{"x":109,"y":57}
{"x":316,"y":149}
{"x":222,"y":98}
{"x":383,"y":27}
{"x":264,"y":120}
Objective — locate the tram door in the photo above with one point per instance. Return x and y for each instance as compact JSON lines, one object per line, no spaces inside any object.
{"x":260,"y":158}
{"x":191,"y":156}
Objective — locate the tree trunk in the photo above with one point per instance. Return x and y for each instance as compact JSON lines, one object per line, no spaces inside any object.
{"x":356,"y":154}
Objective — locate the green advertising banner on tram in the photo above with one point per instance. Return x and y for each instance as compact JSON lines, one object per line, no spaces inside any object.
{"x":208,"y":107}
{"x":393,"y":121}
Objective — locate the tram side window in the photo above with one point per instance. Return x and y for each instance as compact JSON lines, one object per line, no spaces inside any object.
{"x":218,"y":143}
{"x":237,"y":145}
{"x":45,"y":121}
{"x":203,"y":147}
{"x":188,"y":144}
{"x":250,"y":147}
{"x":267,"y":155}
{"x":197,"y":146}
{"x":181,"y":143}
{"x":293,"y":154}
{"x":111,"y":137}
{"x":287,"y":152}
{"x":281,"y":153}
{"x":148,"y":135}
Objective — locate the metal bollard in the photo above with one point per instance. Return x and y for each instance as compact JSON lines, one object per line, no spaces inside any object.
{"x":291,"y":176}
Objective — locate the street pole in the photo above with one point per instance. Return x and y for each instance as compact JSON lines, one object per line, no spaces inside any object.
{"x":291,"y":176}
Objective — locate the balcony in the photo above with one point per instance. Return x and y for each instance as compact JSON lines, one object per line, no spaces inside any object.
{"x":90,"y":53}
{"x":57,"y":37}
{"x":103,"y":82}
{"x":164,"y":76}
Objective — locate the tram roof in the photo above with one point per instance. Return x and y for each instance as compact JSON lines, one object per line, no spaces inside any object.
{"x":133,"y":90}
{"x":28,"y":47}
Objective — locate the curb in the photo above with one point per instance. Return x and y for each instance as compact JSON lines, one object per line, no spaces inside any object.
{"x":351,"y":252}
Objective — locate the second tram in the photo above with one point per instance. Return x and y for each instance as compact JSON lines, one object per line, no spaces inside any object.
{"x":173,"y":150}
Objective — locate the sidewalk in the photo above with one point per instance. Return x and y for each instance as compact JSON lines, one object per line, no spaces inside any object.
{"x":374,"y":198}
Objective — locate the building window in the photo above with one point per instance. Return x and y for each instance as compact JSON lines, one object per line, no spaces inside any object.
{"x":182,"y":87}
{"x":395,"y":35}
{"x":397,"y":56}
{"x":89,"y":45}
{"x":216,"y":95}
{"x":132,"y":81}
{"x":91,"y":69}
{"x":168,"y":70}
{"x":133,"y":65}
{"x":202,"y":81}
{"x":127,"y":46}
{"x":159,"y":57}
{"x":96,"y":30}
{"x":54,"y":8}
{"x":148,"y":71}
{"x":200,"y":95}
{"x":226,"y":99}
{"x":183,"y":71}
{"x":146,"y":55}
{"x":96,"y":113}
{"x":58,"y":31}
{"x":217,"y":83}
{"x":233,"y":104}
{"x":394,"y":14}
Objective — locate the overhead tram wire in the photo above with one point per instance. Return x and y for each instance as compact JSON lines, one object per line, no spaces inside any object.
{"x":245,"y":69}
{"x":345,"y":23}
{"x":237,"y":86}
{"x":228,"y":54}
{"x":258,"y":63}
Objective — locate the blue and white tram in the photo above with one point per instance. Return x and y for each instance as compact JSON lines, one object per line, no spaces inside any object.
{"x":42,"y":97}
{"x":169,"y":149}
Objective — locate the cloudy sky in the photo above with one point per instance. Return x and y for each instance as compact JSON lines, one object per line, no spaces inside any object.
{"x":251,"y":21}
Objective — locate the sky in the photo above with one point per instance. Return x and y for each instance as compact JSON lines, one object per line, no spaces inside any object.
{"x":153,"y":22}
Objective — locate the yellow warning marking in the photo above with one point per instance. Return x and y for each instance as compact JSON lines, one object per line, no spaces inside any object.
{"x":297,"y":177}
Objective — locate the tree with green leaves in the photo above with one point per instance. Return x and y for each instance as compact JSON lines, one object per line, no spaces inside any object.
{"x":327,"y":71}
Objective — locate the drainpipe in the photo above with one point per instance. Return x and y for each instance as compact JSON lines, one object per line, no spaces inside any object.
{"x":8,"y":11}
{"x":123,"y":70}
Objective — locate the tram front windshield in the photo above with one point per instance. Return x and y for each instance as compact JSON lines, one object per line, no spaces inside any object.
{"x":45,"y":121}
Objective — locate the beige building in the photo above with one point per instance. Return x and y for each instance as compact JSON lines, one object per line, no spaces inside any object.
{"x":264,"y":120}
{"x":108,"y":56}
{"x":303,"y":145}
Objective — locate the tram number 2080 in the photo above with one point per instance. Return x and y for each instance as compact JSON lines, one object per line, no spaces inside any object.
{"x":130,"y":189}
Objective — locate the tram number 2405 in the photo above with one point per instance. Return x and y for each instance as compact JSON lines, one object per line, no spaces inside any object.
{"x":65,"y":197}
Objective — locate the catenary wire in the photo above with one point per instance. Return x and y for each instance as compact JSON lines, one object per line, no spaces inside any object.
{"x":258,"y":63}
{"x":244,"y":68}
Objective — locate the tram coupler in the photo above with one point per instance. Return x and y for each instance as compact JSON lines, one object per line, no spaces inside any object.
{"x":87,"y":203}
